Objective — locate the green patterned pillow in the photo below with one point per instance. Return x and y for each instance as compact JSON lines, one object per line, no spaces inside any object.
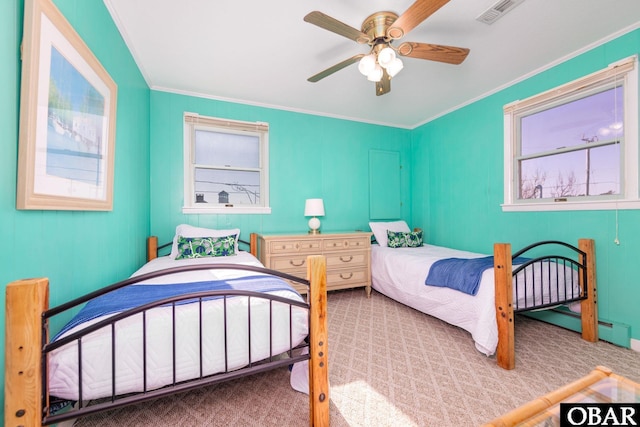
{"x":200,"y":247}
{"x":400,"y":239}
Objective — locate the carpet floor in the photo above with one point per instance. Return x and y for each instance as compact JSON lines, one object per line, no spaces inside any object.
{"x":390,"y":365}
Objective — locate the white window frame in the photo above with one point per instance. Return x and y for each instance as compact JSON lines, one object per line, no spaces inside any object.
{"x":629,"y":198}
{"x":260,"y":129}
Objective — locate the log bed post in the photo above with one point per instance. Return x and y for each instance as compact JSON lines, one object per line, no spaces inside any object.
{"x":589,"y":309}
{"x":253,"y":244}
{"x":152,"y":248}
{"x":26,"y":300}
{"x":505,"y":352}
{"x":319,"y":362}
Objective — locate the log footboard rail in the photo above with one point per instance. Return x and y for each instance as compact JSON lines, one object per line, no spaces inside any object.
{"x":506,"y":279}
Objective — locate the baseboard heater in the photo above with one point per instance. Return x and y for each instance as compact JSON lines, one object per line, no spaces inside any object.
{"x":613,"y":332}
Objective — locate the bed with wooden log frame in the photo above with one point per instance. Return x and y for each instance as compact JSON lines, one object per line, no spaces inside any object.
{"x":401,"y":274}
{"x":505,"y":283}
{"x":29,"y":350}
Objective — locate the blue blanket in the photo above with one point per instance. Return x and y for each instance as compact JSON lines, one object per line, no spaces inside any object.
{"x":136,"y":295}
{"x":461,"y":274}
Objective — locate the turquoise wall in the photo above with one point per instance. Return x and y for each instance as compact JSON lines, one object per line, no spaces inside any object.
{"x":451,"y":180}
{"x":457,"y":176}
{"x":77,"y":251}
{"x":310,"y":157}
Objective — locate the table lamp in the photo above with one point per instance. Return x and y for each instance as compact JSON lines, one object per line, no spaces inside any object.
{"x":314,"y":208}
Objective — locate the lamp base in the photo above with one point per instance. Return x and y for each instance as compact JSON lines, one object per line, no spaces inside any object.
{"x":314,"y":226}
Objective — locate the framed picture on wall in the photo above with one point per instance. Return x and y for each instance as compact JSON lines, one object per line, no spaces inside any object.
{"x":67,"y":118}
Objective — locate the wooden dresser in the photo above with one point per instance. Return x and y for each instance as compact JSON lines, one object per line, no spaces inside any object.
{"x":348,"y":256}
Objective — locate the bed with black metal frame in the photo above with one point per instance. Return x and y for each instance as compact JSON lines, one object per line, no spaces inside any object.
{"x":29,"y":351}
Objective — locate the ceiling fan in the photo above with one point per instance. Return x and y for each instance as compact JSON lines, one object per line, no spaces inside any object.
{"x":379,"y":31}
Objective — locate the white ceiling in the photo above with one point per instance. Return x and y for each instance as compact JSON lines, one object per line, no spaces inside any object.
{"x":262,"y":53}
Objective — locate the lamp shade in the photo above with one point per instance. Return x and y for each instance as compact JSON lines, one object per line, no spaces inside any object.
{"x":314,"y":207}
{"x":386,"y":57}
{"x":376,"y":74}
{"x":395,"y":67}
{"x":367,"y":64}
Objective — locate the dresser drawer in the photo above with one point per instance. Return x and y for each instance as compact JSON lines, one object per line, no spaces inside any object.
{"x":339,"y":260}
{"x":336,"y":279}
{"x":346,"y":278}
{"x":334,"y":260}
{"x":346,"y":243}
{"x":295,"y":246}
{"x":289,"y":263}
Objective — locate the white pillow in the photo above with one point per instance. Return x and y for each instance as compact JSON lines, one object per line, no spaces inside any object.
{"x":380,"y":230}
{"x":186,"y":230}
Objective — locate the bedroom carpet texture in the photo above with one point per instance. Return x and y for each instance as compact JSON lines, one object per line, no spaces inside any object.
{"x":390,"y":365}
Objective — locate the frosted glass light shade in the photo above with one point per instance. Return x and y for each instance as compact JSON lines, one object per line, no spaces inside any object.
{"x":386,"y":57}
{"x":376,"y":74}
{"x":367,"y":64}
{"x":395,"y":67}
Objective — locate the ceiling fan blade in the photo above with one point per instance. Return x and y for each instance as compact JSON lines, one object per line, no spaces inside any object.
{"x":339,"y":66}
{"x":335,"y":26}
{"x":434,"y":52}
{"x":412,"y":17}
{"x":384,"y":85}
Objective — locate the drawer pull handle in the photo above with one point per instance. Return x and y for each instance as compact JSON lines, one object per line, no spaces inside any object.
{"x":344,"y":259}
{"x":296,"y":265}
{"x":346,"y":278}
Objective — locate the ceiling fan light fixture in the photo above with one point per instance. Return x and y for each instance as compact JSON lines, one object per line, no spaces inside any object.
{"x":395,"y":67}
{"x":386,"y":56}
{"x":367,"y":64}
{"x":376,"y":74}
{"x":379,"y":31}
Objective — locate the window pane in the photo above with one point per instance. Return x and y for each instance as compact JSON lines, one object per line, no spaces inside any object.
{"x":592,"y":172}
{"x":227,"y":149}
{"x":597,"y":117}
{"x":225,"y":186}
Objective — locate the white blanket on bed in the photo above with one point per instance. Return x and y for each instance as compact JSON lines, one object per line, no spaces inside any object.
{"x":400,"y":274}
{"x":96,"y":350}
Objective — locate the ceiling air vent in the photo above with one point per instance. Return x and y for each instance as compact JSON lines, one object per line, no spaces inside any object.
{"x":498,"y":10}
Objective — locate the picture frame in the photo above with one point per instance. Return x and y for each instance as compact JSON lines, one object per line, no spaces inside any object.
{"x":68,"y":102}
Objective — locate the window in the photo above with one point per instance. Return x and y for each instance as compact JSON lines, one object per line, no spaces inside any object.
{"x":576,"y":146}
{"x":225,"y":165}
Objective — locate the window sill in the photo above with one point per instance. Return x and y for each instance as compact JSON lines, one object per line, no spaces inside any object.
{"x":226,"y":210}
{"x":572,"y":206}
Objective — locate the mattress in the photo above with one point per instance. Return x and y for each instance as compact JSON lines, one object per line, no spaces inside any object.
{"x":97,"y":370}
{"x":400,"y":274}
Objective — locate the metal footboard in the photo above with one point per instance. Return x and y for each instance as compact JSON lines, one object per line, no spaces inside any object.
{"x":550,"y":280}
{"x":293,"y":353}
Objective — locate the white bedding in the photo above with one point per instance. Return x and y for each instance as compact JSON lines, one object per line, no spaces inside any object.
{"x":96,"y":350}
{"x":400,"y":274}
